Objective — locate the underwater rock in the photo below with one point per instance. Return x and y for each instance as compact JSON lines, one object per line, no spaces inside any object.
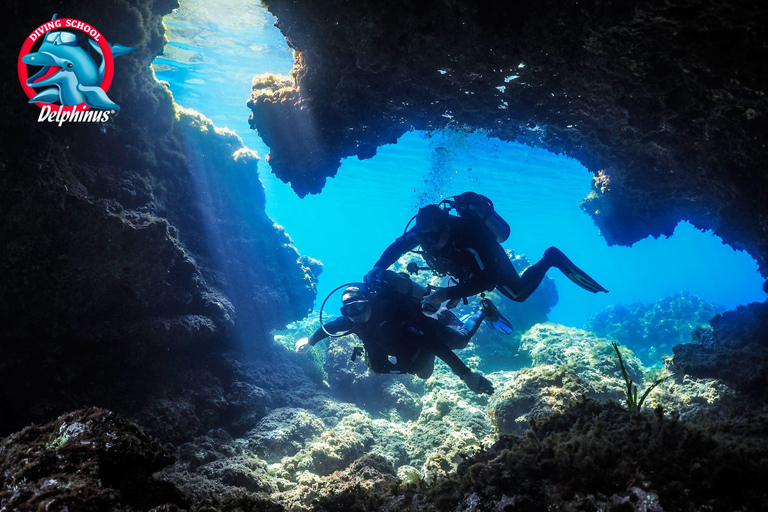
{"x":568,"y":365}
{"x":453,"y":424}
{"x":283,"y":432}
{"x":356,"y":489}
{"x":598,"y":456}
{"x":697,"y":400}
{"x":245,"y":472}
{"x":734,"y":350}
{"x":651,"y":330}
{"x":334,"y":449}
{"x":648,"y":96}
{"x":89,"y":459}
{"x":129,"y":247}
{"x":246,"y":406}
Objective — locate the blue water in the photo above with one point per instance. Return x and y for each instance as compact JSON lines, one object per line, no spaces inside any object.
{"x":217,"y":46}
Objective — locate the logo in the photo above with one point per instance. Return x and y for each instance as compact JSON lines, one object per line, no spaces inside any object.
{"x":71,"y":66}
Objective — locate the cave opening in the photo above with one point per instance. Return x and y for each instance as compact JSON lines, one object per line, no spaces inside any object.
{"x":214,"y":49}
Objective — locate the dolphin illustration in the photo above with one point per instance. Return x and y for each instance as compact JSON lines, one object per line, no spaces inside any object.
{"x":68,"y":67}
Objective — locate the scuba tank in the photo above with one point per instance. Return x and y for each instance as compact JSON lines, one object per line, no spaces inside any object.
{"x":472,"y":205}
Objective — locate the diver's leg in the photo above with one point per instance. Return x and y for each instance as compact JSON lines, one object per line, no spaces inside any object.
{"x":571,"y":271}
{"x":457,"y":335}
{"x":519,"y":288}
{"x":425,"y":365}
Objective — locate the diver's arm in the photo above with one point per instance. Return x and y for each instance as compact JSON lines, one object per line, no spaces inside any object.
{"x":402,"y":245}
{"x":338,"y":325}
{"x":469,"y":288}
{"x":473,"y":286}
{"x":442,"y":351}
{"x":474,"y":380}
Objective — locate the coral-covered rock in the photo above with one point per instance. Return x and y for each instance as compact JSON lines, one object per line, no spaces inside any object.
{"x":89,"y":459}
{"x":651,"y":330}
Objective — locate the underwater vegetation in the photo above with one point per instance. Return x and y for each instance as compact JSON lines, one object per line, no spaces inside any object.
{"x":633,"y":404}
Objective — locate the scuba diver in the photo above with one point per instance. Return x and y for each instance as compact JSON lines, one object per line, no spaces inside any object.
{"x":398,"y":337}
{"x":467,"y":247}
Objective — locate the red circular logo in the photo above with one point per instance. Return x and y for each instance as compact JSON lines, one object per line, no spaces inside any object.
{"x":50,"y":44}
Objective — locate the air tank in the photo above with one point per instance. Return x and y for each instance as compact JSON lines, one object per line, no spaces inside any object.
{"x":473,"y":204}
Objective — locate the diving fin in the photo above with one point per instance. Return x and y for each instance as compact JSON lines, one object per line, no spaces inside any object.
{"x":573,"y":272}
{"x":494,"y":319}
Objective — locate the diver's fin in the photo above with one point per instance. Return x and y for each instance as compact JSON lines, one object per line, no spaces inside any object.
{"x":47,"y":96}
{"x":502,"y":325}
{"x":573,"y":272}
{"x":494,"y":319}
{"x":95,"y":97}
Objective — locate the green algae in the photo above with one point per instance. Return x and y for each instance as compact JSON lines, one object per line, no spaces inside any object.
{"x":633,"y":404}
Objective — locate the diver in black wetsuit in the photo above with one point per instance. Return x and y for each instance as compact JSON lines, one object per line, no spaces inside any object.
{"x":398,"y":337}
{"x":466,"y":249}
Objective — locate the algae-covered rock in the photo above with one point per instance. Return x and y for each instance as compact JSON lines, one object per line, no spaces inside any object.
{"x":89,"y":459}
{"x":244,"y":471}
{"x":598,"y":456}
{"x":358,"y":488}
{"x":335,"y":449}
{"x":568,"y":366}
{"x":579,"y":350}
{"x":283,"y":432}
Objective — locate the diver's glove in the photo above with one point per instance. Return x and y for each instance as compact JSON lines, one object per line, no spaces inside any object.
{"x":303,"y":346}
{"x":373,"y":276}
{"x":477,"y":383}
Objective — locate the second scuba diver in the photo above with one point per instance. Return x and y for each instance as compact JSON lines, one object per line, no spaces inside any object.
{"x":468,"y":248}
{"x":398,"y":337}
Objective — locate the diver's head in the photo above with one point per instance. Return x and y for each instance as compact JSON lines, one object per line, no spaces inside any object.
{"x":432,"y":227}
{"x":356,"y":303}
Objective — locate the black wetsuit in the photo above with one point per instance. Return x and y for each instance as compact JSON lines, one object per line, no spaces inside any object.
{"x":474,"y":258}
{"x":399,"y":338}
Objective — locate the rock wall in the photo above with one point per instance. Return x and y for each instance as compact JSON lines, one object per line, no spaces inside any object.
{"x":132,"y":250}
{"x":662,"y":101}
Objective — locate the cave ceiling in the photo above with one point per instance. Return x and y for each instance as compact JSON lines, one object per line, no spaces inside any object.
{"x":662,"y":101}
